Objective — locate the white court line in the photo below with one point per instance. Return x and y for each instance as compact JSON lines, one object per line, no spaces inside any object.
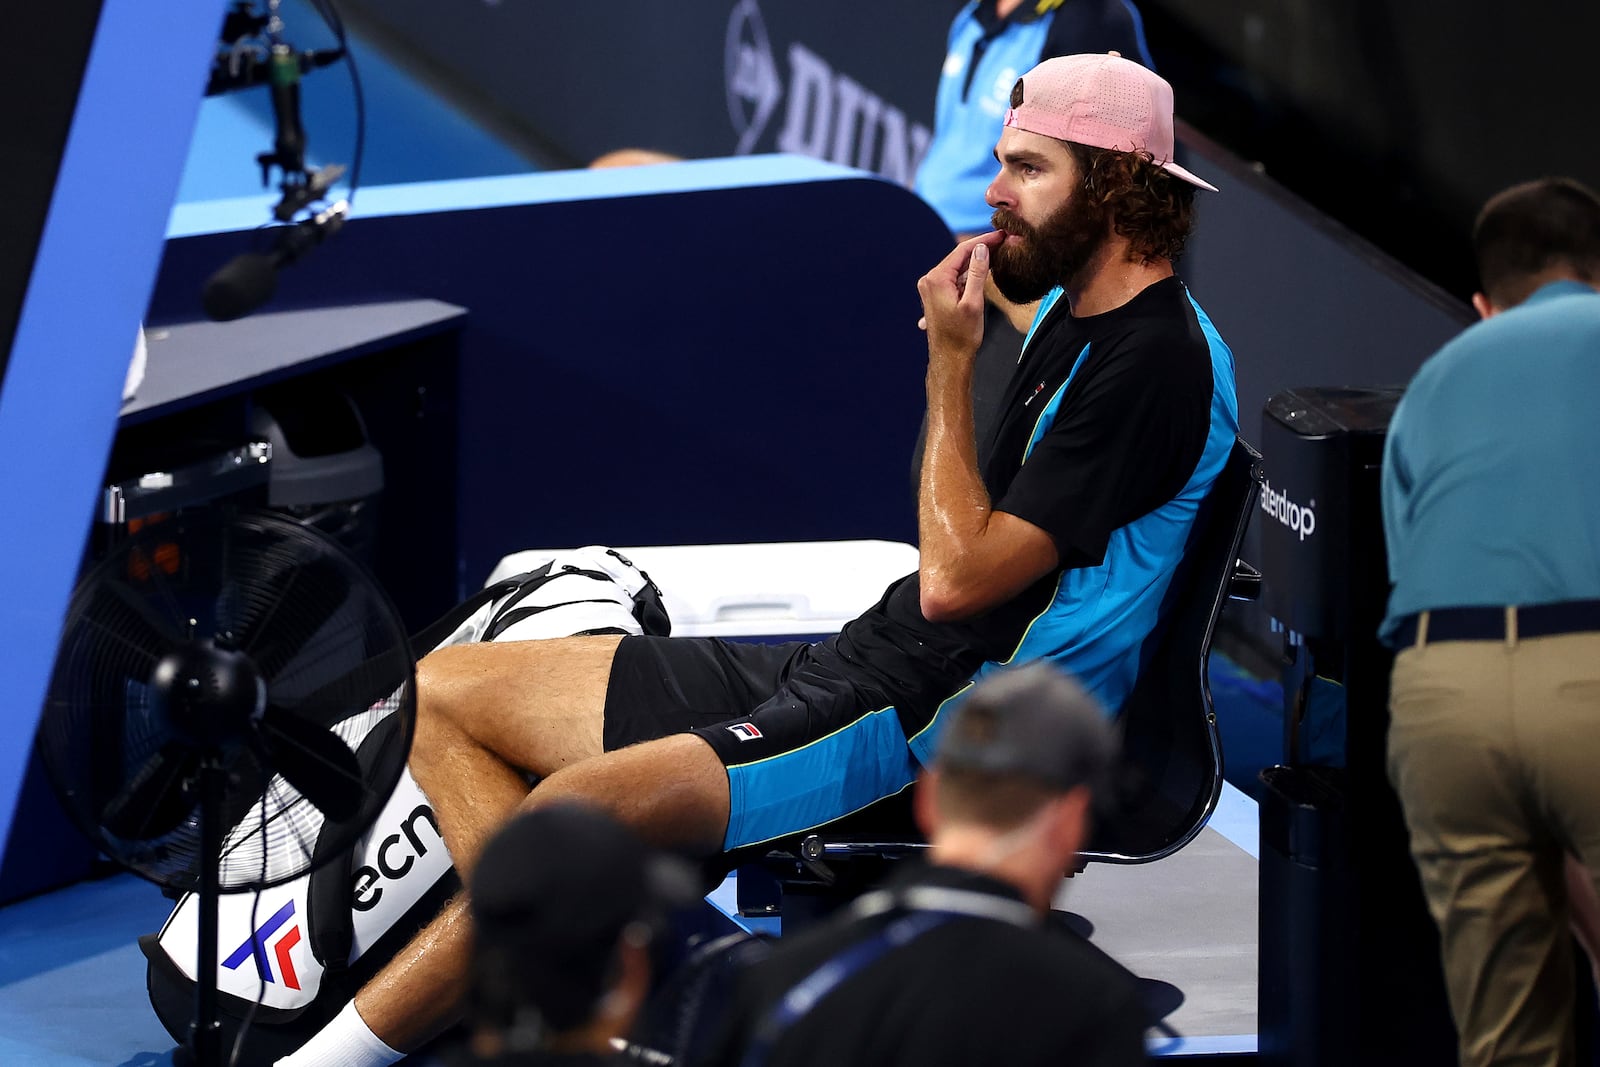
{"x":1238,"y":819}
{"x":1201,"y":1046}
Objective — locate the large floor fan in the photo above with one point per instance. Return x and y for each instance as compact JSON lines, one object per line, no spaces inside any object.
{"x":216,"y":673}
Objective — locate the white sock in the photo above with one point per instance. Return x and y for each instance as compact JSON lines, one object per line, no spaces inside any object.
{"x":345,"y":1042}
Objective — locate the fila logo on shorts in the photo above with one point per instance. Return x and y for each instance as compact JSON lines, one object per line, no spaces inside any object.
{"x":745,"y":731}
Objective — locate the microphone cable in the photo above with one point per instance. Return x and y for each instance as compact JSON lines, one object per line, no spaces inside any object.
{"x":246,"y":282}
{"x":330,"y":15}
{"x":261,"y":977}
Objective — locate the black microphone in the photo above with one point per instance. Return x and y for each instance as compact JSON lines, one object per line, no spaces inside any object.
{"x":247,"y":281}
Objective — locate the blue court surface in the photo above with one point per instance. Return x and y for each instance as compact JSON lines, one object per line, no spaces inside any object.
{"x":72,"y":979}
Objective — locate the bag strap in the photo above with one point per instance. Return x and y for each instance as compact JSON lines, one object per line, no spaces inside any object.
{"x":428,"y":639}
{"x":330,"y":924}
{"x":374,"y":679}
{"x":509,"y":614}
{"x":648,"y":608}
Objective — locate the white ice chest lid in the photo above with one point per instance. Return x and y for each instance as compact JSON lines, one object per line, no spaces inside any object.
{"x":760,"y":590}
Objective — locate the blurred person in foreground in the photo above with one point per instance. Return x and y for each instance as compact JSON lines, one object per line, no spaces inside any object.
{"x":952,"y":962}
{"x":1492,"y":516}
{"x":570,"y":911}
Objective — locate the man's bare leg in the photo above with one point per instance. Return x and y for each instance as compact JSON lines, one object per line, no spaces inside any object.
{"x":490,"y":714}
{"x":486,"y":715}
{"x":484,"y":712}
{"x":672,"y":791}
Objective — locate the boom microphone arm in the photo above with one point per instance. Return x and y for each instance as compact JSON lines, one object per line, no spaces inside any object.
{"x":255,"y":53}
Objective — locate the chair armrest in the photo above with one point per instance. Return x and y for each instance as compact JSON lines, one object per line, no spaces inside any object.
{"x":1245,"y":582}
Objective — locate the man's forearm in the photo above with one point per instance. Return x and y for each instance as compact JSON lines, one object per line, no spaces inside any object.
{"x":953,"y":506}
{"x":973,"y":557}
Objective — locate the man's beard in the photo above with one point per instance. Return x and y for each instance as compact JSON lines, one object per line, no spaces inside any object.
{"x":1053,"y":253}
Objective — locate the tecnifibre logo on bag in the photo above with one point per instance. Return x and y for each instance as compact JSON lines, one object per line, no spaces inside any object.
{"x":256,"y":945}
{"x":395,"y":857}
{"x":1301,"y":519}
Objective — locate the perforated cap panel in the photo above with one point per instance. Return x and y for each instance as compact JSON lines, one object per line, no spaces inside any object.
{"x":1103,"y":101}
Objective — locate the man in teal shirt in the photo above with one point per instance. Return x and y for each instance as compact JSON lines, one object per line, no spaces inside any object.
{"x":1491,"y":510}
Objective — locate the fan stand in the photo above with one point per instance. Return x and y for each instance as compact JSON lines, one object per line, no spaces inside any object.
{"x":204,"y":1047}
{"x":151,"y":773}
{"x":211,"y":692}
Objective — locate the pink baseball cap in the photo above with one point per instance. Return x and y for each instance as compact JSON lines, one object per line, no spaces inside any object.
{"x":1103,"y":101}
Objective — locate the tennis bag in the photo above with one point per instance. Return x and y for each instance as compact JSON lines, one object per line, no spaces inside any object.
{"x":304,"y":947}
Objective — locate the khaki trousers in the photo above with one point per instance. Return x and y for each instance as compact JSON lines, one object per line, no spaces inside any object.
{"x":1494,"y":749}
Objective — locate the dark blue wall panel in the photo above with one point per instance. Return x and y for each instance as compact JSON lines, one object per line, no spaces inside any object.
{"x":701,"y":352}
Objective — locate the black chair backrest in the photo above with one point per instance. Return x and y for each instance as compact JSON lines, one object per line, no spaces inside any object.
{"x":1170,"y":767}
{"x":1171,"y":762}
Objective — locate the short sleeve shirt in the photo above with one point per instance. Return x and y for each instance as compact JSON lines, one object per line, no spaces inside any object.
{"x":1112,"y":429}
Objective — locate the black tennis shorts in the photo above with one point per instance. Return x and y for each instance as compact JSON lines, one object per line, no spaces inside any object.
{"x":803,"y":744}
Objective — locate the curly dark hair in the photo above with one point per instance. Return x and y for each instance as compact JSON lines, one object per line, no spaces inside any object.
{"x":1149,"y":206}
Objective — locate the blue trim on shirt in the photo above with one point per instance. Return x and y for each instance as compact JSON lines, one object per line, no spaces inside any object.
{"x":1099,"y":617}
{"x":1045,"y":305}
{"x":1047,"y":417}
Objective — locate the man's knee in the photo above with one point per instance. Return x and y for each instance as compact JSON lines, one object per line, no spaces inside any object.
{"x":537,"y":705}
{"x":673,"y":791}
{"x":445,"y":680}
{"x":460,"y":682}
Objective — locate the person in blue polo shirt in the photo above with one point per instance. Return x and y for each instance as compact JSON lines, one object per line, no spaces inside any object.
{"x":1491,"y":511}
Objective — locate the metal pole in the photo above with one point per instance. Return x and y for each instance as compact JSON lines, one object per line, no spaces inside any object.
{"x":205,"y":1033}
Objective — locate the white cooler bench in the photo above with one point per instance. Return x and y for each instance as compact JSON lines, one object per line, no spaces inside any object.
{"x":780,"y":589}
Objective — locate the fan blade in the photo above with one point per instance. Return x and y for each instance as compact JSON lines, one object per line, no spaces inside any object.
{"x":121,"y":617}
{"x":153,"y":802}
{"x":357,"y":690}
{"x":292,"y":603}
{"x":315,"y":761}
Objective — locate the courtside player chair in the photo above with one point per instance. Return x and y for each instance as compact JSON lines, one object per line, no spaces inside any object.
{"x":1170,"y":776}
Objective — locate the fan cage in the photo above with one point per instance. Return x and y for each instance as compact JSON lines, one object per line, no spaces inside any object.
{"x":314,"y":626}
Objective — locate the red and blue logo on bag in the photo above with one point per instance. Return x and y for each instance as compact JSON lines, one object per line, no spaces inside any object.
{"x":256,"y":945}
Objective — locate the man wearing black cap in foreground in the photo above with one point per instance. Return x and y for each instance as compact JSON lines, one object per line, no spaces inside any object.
{"x":952,"y":962}
{"x":562,"y":951}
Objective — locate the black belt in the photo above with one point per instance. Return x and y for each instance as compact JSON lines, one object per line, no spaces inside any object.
{"x":1489,"y":624}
